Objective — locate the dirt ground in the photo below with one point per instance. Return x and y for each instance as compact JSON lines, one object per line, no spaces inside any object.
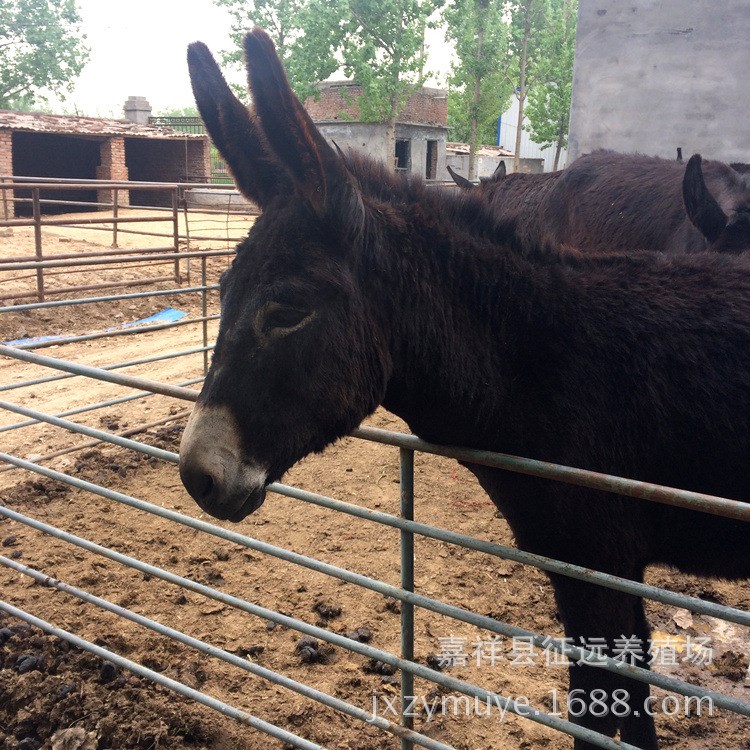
{"x":55,"y":696}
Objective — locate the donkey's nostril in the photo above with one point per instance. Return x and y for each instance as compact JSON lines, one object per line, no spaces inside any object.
{"x":199,"y":484}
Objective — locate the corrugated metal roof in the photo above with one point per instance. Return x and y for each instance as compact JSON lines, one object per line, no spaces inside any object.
{"x":463,"y":148}
{"x":67,"y":124}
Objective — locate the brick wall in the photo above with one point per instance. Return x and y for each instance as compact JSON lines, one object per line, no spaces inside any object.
{"x":104,"y":158}
{"x":198,"y":161}
{"x":6,"y":168}
{"x":112,"y":166}
{"x":338,"y":102}
{"x":426,"y":107}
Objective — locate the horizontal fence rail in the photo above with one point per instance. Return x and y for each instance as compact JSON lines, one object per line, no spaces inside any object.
{"x":59,"y":371}
{"x":160,"y":679}
{"x":407,"y":445}
{"x":170,"y":218}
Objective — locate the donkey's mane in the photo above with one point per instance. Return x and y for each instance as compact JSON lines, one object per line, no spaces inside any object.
{"x":466,"y":213}
{"x":463,"y":211}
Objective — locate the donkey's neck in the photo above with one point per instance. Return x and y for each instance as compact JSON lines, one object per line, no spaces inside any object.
{"x":472,"y":332}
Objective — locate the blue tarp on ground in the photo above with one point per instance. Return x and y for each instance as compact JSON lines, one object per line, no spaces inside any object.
{"x":165,"y":316}
{"x":170,"y":315}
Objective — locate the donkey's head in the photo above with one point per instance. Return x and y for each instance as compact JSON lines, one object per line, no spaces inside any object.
{"x":300,"y":358}
{"x":723,"y":219}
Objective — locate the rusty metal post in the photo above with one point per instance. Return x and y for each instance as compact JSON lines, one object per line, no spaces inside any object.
{"x":5,"y":202}
{"x":115,"y":200}
{"x":204,"y":313}
{"x":176,"y":232}
{"x":183,"y":202}
{"x":38,"y":243}
{"x":406,"y":480}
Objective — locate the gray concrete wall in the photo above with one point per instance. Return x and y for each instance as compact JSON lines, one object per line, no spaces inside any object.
{"x":370,"y":138}
{"x":486,"y":165}
{"x":652,"y":75}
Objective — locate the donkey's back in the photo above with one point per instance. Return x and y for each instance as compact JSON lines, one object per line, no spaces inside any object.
{"x":610,"y":202}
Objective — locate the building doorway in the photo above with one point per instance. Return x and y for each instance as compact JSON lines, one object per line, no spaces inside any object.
{"x":431,"y":166}
{"x":403,"y":155}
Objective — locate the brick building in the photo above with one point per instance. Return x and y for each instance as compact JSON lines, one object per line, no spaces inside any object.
{"x":421,"y":128}
{"x":88,"y":148}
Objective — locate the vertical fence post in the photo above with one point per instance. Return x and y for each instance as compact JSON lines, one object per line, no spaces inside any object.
{"x":176,"y":232}
{"x":406,"y":466}
{"x":38,"y":243}
{"x":115,"y":201}
{"x":204,"y":309}
{"x":6,"y":213}
{"x":183,"y":203}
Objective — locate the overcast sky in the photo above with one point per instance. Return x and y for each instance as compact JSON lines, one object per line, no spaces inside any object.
{"x":138,"y":48}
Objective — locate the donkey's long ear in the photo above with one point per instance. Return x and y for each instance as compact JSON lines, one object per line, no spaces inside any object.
{"x":232,"y":129}
{"x":500,"y":171}
{"x":702,"y":208}
{"x":460,"y":180}
{"x":315,"y":168}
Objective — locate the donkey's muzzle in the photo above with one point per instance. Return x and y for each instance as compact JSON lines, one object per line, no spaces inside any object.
{"x":213,"y":470}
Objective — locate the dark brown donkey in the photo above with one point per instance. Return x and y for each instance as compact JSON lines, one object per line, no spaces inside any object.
{"x":609,"y":202}
{"x":358,"y":287}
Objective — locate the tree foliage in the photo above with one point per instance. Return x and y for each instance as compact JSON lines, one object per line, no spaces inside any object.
{"x":178,"y":112}
{"x":479,"y":91}
{"x":529,"y":54}
{"x":548,"y":107}
{"x":383,"y":50}
{"x":501,"y":47}
{"x":306,"y":34}
{"x":377,"y":43}
{"x":41,"y":47}
{"x":528,"y":19}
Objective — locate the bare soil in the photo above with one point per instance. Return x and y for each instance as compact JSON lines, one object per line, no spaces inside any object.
{"x":54,"y":696}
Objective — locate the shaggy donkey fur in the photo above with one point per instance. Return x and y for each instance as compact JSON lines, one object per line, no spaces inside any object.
{"x":609,"y":202}
{"x":358,"y":287}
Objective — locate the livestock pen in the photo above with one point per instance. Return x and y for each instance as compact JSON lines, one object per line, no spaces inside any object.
{"x":103,"y":550}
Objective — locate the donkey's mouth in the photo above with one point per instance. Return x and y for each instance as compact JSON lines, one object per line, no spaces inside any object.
{"x":224,"y":495}
{"x":252,"y":502}
{"x":224,"y":483}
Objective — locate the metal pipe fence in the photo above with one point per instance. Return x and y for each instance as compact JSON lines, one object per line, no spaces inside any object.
{"x":408,"y":528}
{"x":166,"y":390}
{"x":112,"y":220}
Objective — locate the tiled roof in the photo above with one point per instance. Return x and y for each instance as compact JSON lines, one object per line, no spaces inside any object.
{"x":68,"y":124}
{"x":463,"y":148}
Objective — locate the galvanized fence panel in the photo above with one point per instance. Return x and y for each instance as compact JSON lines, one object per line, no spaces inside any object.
{"x":407,"y":527}
{"x":114,"y":222}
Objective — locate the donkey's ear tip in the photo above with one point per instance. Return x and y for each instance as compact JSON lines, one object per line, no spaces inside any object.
{"x":257,"y":34}
{"x":197,"y":51}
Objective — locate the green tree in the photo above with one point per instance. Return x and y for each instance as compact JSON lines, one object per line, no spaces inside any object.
{"x":378,"y":43}
{"x":41,"y":47}
{"x":306,"y":34}
{"x":479,"y":92}
{"x":548,"y":108}
{"x":528,"y":19}
{"x":178,"y":112}
{"x":383,"y":51}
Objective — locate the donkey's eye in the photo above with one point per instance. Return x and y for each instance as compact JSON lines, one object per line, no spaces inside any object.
{"x":278,"y":319}
{"x":284,"y":317}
